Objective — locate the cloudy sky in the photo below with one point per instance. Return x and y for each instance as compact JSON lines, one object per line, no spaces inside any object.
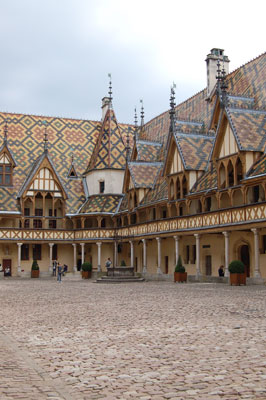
{"x":56,"y":54}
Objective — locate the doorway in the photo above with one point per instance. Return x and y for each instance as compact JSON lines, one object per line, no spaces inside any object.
{"x":7,"y":267}
{"x":166,"y":264}
{"x":244,"y":257}
{"x":208,"y":263}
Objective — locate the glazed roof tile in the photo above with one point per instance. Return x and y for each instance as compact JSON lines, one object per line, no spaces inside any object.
{"x":207,"y":181}
{"x":258,"y":168}
{"x":144,"y":174}
{"x":158,"y":193}
{"x":148,"y":151}
{"x":101,"y":203}
{"x":249,"y":127}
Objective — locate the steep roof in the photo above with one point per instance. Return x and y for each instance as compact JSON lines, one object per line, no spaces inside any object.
{"x":110,"y":151}
{"x":144,"y":174}
{"x":101,"y":204}
{"x":148,"y":151}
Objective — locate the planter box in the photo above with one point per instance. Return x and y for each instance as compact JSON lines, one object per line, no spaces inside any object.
{"x":238,"y":279}
{"x":180,"y":276}
{"x":86,"y":274}
{"x":35,"y":273}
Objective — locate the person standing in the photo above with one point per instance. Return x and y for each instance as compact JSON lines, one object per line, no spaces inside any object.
{"x":54,"y":267}
{"x":59,"y":272}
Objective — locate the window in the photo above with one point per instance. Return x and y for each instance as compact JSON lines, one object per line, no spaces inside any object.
{"x":37,"y":252}
{"x":27,"y":223}
{"x":52,"y":224}
{"x":5,"y":174}
{"x":37,"y":223}
{"x":164,"y":214}
{"x":54,"y":252}
{"x":38,"y":212}
{"x":25,"y":252}
{"x":101,"y":185}
{"x":103,"y":223}
{"x":26,"y":212}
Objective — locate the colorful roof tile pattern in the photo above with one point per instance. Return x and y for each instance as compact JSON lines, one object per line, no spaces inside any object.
{"x":65,"y":136}
{"x":194,"y":150}
{"x":207,"y":181}
{"x":249,"y":127}
{"x":144,"y":174}
{"x":148,"y":151}
{"x":159,"y":193}
{"x":124,"y":204}
{"x":101,"y":203}
{"x":110,"y":151}
{"x":259,"y":168}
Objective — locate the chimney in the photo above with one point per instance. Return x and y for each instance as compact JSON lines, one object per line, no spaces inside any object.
{"x":211,"y":62}
{"x":105,"y":106}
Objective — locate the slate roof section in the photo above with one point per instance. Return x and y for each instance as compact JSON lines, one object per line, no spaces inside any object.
{"x":208,"y":181}
{"x":194,"y":150}
{"x":143,"y":174}
{"x":148,"y":151}
{"x":249,"y":128}
{"x":101,"y":204}
{"x":159,"y":193}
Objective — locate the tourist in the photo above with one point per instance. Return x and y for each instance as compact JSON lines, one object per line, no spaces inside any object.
{"x":59,"y":272}
{"x":221,"y":270}
{"x":54,"y":267}
{"x":108,"y":263}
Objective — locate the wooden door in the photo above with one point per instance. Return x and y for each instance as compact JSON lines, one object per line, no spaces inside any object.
{"x":244,"y":256}
{"x":7,"y":267}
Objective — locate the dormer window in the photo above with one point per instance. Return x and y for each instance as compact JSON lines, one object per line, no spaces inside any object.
{"x":101,"y":186}
{"x":5,"y":174}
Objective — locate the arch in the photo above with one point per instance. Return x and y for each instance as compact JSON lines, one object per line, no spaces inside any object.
{"x":172,"y":189}
{"x":195,"y":206}
{"x":237,"y":198}
{"x":255,"y":194}
{"x":225,"y":200}
{"x":173,"y":210}
{"x":239,"y":171}
{"x":222,"y":176}
{"x":184,"y":186}
{"x":178,"y":189}
{"x":230,"y":173}
{"x":182,"y":208}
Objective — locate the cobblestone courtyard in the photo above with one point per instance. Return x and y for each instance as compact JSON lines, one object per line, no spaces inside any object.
{"x":79,"y":340}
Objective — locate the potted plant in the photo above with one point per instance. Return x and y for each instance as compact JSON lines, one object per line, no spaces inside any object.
{"x":180,"y":274}
{"x":237,"y":273}
{"x":123,"y":263}
{"x":86,"y":270}
{"x":35,"y":270}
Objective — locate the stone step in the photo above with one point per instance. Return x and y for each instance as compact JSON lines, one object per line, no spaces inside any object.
{"x":119,"y":279}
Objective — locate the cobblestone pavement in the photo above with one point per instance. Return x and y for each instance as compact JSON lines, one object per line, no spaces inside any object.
{"x":156,"y":340}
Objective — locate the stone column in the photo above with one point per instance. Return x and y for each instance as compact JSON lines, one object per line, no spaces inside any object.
{"x":144,"y":241}
{"x":226,"y":253}
{"x":115,"y":254}
{"x":197,"y":236}
{"x":51,"y":257}
{"x":19,"y":257}
{"x":159,"y":271}
{"x":75,"y":257}
{"x":99,"y":244}
{"x":257,"y":253}
{"x":131,"y":253}
{"x":82,"y":252}
{"x":176,"y":248}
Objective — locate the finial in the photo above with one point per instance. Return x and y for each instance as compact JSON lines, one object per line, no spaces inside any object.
{"x":136,"y":118}
{"x":5,"y":131}
{"x":172,"y":107}
{"x":128,"y":147}
{"x":218,"y":76}
{"x":45,"y":140}
{"x":110,"y":90}
{"x":142,"y":113}
{"x":72,"y":158}
{"x":224,"y":87}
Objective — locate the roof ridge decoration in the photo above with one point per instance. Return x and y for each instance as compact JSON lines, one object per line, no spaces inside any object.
{"x":5,"y":147}
{"x":72,"y":174}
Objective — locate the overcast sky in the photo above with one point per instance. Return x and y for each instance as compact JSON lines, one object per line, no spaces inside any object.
{"x":56,"y":54}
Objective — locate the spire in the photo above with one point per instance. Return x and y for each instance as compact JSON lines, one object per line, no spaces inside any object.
{"x":218,"y":77}
{"x":5,"y":131}
{"x":45,"y":140}
{"x":110,"y":91}
{"x":141,"y":114}
{"x":224,"y":87}
{"x":136,"y":119}
{"x":172,"y":108}
{"x":128,"y":146}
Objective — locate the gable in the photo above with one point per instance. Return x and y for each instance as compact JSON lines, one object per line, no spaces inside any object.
{"x":4,"y":159}
{"x":44,"y":181}
{"x":177,"y":164}
{"x":228,"y":143}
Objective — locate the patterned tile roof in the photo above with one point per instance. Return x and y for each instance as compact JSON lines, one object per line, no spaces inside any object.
{"x":259,"y":168}
{"x":65,"y":136}
{"x":124,"y":204}
{"x":101,"y":203}
{"x":159,"y":193}
{"x":110,"y":151}
{"x":148,"y":151}
{"x":207,"y":181}
{"x":144,"y":174}
{"x":194,"y":150}
{"x":249,"y":127}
